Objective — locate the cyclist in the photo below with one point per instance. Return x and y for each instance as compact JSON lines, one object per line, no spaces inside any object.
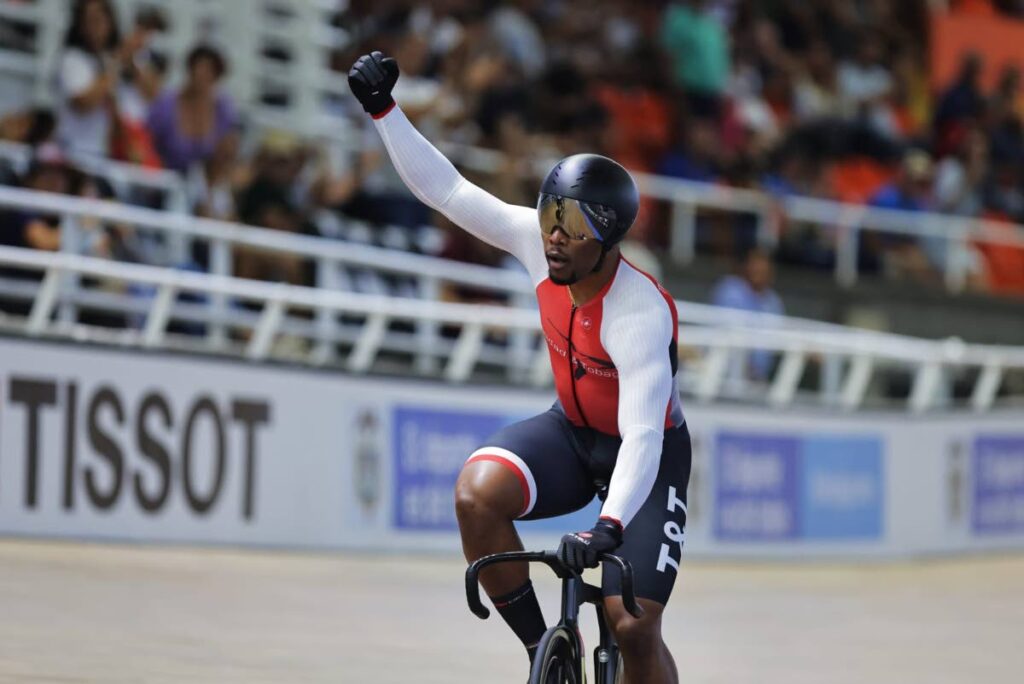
{"x":617,"y":428}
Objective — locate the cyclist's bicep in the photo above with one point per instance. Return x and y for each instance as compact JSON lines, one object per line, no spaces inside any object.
{"x":508,"y":227}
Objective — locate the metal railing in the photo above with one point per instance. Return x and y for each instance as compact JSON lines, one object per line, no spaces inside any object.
{"x":714,"y":339}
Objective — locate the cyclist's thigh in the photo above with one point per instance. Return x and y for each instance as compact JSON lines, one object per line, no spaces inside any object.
{"x":653,"y":539}
{"x":541,"y":452}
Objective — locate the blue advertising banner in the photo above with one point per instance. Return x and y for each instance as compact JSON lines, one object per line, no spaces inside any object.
{"x":756,"y":476}
{"x":841,"y":493}
{"x":998,"y":475}
{"x":779,"y":487}
{"x":430,"y":448}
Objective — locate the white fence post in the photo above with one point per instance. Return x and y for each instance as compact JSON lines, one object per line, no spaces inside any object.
{"x":683,"y":239}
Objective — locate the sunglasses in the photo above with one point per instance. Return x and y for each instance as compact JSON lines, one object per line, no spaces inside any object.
{"x":577,"y":220}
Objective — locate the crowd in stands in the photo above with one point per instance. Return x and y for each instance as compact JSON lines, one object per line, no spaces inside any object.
{"x":829,"y":99}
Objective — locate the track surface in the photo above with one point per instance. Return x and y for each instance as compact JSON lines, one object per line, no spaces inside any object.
{"x":93,"y":613}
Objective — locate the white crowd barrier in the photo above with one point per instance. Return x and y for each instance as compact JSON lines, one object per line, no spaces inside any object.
{"x":362,"y":324}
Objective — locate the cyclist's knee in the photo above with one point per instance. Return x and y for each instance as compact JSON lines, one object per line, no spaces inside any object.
{"x":486,"y":490}
{"x":636,"y":635}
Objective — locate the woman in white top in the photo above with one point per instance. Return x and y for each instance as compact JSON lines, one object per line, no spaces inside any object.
{"x":87,"y":77}
{"x":88,"y":74}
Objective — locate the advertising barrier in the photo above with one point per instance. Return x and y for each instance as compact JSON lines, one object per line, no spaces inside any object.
{"x":124,"y":445}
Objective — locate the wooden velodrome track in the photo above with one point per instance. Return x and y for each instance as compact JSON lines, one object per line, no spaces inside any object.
{"x":96,"y":613}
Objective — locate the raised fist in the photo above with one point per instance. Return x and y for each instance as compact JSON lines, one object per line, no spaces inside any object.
{"x":371,"y":79}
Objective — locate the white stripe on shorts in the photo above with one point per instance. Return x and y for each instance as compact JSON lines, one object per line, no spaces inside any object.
{"x":518,"y":463}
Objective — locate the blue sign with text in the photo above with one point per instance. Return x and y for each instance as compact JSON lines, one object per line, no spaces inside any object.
{"x":778,"y":487}
{"x":756,"y":493}
{"x":430,"y":448}
{"x":998,"y":475}
{"x":841,"y":493}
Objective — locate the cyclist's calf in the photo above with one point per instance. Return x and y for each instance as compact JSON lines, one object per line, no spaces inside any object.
{"x":639,"y":640}
{"x":488,"y":498}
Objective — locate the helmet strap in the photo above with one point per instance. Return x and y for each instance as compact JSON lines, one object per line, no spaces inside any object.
{"x":605,"y":248}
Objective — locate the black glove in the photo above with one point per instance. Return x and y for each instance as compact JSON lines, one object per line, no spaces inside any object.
{"x":371,"y":79}
{"x":580,"y":549}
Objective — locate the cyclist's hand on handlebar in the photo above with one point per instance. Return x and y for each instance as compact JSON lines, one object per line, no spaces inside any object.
{"x":581,"y":550}
{"x":371,"y":79}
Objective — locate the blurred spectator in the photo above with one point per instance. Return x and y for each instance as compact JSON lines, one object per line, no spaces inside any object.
{"x":959,"y":177}
{"x":865,"y":83}
{"x":816,"y":92}
{"x":87,"y":78}
{"x":267,"y":201}
{"x":186,"y":125}
{"x":959,"y":106}
{"x":695,"y":157}
{"x":32,"y":126}
{"x":140,"y":84}
{"x":49,"y":171}
{"x":89,"y":75}
{"x":751,"y":290}
{"x":898,"y":255}
{"x":212,"y":186}
{"x":514,"y":30}
{"x":697,"y":44}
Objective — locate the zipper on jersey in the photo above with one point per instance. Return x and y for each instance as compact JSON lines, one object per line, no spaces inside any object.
{"x":572,"y":371}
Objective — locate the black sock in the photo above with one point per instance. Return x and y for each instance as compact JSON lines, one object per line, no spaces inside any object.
{"x":521,"y":611}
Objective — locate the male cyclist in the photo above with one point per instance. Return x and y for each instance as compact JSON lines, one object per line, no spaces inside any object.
{"x":617,"y":425}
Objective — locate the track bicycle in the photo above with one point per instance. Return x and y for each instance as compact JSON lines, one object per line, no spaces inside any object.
{"x":560,"y":652}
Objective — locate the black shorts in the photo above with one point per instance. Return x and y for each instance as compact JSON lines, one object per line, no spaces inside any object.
{"x":562,"y":467}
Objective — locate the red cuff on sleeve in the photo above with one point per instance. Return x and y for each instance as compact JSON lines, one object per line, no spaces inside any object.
{"x":381,"y":115}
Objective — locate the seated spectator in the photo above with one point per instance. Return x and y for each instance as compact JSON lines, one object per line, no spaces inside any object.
{"x":959,"y":177}
{"x":696,"y":156}
{"x":865,"y":83}
{"x":49,"y":171}
{"x":212,"y":186}
{"x":898,"y":255}
{"x":32,"y":126}
{"x":960,"y":105}
{"x":268,"y":202}
{"x":187,"y":124}
{"x":751,"y":290}
{"x":816,"y":90}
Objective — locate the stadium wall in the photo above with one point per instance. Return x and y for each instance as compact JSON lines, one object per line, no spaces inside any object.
{"x":99,"y":443}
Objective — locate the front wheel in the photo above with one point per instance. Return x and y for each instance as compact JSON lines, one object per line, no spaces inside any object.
{"x":558,"y":659}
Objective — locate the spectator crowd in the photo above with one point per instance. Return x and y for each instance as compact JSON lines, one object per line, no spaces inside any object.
{"x":828,"y":99}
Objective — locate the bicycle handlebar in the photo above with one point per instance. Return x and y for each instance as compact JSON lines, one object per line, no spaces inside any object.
{"x":549,"y":558}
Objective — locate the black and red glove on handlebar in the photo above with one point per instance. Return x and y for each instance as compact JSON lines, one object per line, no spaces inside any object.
{"x":581,"y":550}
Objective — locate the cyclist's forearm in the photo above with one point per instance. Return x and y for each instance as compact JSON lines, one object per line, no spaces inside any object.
{"x":636,"y":470}
{"x":437,"y":183}
{"x":427,"y":172}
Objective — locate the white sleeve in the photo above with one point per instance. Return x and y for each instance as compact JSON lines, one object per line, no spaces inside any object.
{"x":638,"y":345}
{"x":78,"y":72}
{"x":436,"y":182}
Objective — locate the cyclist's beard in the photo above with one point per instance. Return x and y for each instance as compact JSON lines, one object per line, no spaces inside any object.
{"x":570,"y":279}
{"x":573,"y":276}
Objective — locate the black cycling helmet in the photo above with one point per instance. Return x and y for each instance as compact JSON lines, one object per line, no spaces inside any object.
{"x":605,"y":191}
